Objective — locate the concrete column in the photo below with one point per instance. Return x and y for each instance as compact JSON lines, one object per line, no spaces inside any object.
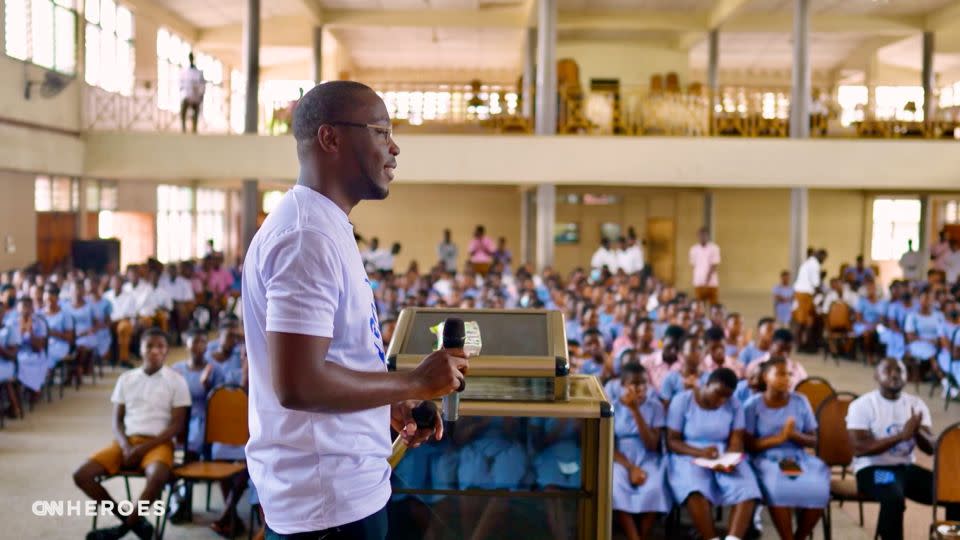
{"x":929,"y":100}
{"x":250,"y":199}
{"x":800,"y":95}
{"x":546,"y":197}
{"x":870,"y":81}
{"x":798,"y":227}
{"x":251,"y":64}
{"x":708,"y":212}
{"x":713,"y":61}
{"x":926,"y":232}
{"x":82,"y":232}
{"x":546,"y":104}
{"x":317,"y":54}
{"x":529,"y":73}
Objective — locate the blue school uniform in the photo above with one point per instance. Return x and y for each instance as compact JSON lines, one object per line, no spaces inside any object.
{"x":573,"y":329}
{"x":589,"y":367}
{"x":198,"y":401}
{"x":102,"y":309}
{"x":673,"y":384}
{"x":702,"y":428}
{"x":743,"y":391}
{"x":872,"y":313}
{"x":731,"y":350}
{"x":58,"y":349}
{"x":927,"y":329}
{"x":750,"y":353}
{"x":82,"y":322}
{"x":494,"y":459}
{"x":8,"y":368}
{"x":32,"y":366}
{"x":652,"y":495}
{"x":559,"y":464}
{"x":660,"y":330}
{"x":951,"y":333}
{"x":783,"y":310}
{"x":232,"y":367}
{"x":811,"y":489}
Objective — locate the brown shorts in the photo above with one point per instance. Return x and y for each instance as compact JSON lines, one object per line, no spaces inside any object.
{"x":111,"y":457}
{"x":804,"y":314}
{"x":710,"y":295}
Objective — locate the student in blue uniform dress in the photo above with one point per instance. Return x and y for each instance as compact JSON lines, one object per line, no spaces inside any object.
{"x":779,"y":427}
{"x":639,"y":471}
{"x":201,"y":377}
{"x":704,"y":423}
{"x":923,"y":331}
{"x":26,"y":341}
{"x":225,"y":351}
{"x":59,"y":326}
{"x":84,"y":332}
{"x":595,"y":360}
{"x":783,"y":299}
{"x":949,"y":341}
{"x":688,"y":377}
{"x":870,"y":310}
{"x":760,"y":345}
{"x":101,"y":316}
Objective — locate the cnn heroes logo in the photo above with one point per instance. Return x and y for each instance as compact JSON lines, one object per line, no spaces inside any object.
{"x":92,"y":508}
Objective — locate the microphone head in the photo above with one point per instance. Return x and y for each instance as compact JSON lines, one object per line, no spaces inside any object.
{"x":454,"y":333}
{"x":425,"y":414}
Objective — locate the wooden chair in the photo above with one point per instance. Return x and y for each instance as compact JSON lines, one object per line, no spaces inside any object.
{"x":833,"y":447}
{"x":946,"y":469}
{"x":816,"y":390}
{"x":656,"y":83}
{"x":226,"y":423}
{"x":673,"y":83}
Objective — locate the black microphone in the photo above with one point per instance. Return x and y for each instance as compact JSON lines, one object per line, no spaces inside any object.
{"x":454,"y":336}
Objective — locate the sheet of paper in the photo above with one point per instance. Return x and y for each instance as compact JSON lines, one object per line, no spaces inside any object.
{"x":728,"y":459}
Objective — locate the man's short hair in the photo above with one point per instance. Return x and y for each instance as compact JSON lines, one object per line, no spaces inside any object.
{"x":155,"y":332}
{"x":325,"y":103}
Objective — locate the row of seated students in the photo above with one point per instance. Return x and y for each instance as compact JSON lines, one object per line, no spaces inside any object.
{"x":699,"y":384}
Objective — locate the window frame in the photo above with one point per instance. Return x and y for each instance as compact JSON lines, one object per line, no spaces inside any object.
{"x":29,"y":51}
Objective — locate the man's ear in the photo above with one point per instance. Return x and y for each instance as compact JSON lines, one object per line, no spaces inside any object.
{"x":327,"y":138}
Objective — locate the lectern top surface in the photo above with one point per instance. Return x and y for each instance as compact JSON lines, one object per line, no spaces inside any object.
{"x":504,"y":333}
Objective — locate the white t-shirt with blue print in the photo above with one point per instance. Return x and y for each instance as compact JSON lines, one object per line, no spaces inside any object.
{"x":883,"y":417}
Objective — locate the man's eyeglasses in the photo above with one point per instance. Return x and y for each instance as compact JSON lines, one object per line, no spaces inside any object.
{"x":384,"y":131}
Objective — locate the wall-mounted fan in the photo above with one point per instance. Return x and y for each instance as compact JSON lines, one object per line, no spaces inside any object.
{"x":52,"y":83}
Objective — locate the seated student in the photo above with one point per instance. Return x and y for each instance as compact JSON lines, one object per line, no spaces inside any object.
{"x":660,"y":365}
{"x":589,"y":318}
{"x":150,"y":408}
{"x":123,"y":313}
{"x":923,"y":335}
{"x":153,"y":303}
{"x":751,"y":385}
{"x":201,"y":377}
{"x":594,"y":359}
{"x":869,"y":313}
{"x":733,"y":335}
{"x":571,"y":319}
{"x":225,"y":350}
{"x":716,"y":353}
{"x":101,"y":313}
{"x":779,"y":427}
{"x":25,"y":341}
{"x":665,"y":316}
{"x":704,"y":423}
{"x":179,"y":288}
{"x":885,"y":426}
{"x":760,"y":345}
{"x":639,"y":472}
{"x":690,"y":372}
{"x":59,"y":327}
{"x":84,"y":330}
{"x":783,"y":299}
{"x":950,"y":347}
{"x":639,"y":339}
{"x":782,"y":345}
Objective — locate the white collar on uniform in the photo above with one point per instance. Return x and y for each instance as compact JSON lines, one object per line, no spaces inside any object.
{"x":327,"y":203}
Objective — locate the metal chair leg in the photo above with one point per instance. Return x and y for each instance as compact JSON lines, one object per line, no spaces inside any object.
{"x":828,"y":524}
{"x":860,"y":504}
{"x":126,"y":482}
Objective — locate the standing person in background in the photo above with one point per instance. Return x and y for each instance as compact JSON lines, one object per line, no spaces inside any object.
{"x":604,"y":257}
{"x":910,"y":263}
{"x":192,"y":88}
{"x":951,"y":263}
{"x":481,"y":251}
{"x":806,"y":285}
{"x":633,"y":258}
{"x":503,"y":256}
{"x":783,"y":299}
{"x":939,"y":251}
{"x":705,"y":260}
{"x":447,"y":252}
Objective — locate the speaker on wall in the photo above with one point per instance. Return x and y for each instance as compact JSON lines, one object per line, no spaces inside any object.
{"x":96,"y":255}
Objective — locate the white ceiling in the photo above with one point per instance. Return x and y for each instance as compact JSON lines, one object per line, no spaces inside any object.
{"x":775,"y":51}
{"x":614,"y":5}
{"x":433,"y":49}
{"x":210,"y":13}
{"x":872,"y":7}
{"x":412,"y":4}
{"x":908,"y":54}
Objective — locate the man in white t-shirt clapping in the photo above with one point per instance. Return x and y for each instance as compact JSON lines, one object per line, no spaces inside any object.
{"x":321,"y":398}
{"x":150,"y":408}
{"x":885,"y":426}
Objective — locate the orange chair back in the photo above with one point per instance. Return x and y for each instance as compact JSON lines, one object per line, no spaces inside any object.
{"x":656,"y":83}
{"x":946,"y":466}
{"x":227,"y":416}
{"x":673,"y":83}
{"x":833,"y":442}
{"x":816,"y":390}
{"x":839,"y":317}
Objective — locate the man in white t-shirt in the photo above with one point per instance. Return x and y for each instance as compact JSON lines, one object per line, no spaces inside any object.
{"x":910,"y":263}
{"x":604,"y":256}
{"x":192,"y":88}
{"x":705,"y":263}
{"x":806,"y":286}
{"x":150,"y":408}
{"x":885,"y":426}
{"x":321,"y":398}
{"x":951,"y":263}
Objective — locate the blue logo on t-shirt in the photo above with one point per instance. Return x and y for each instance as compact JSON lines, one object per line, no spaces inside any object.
{"x":904,"y":448}
{"x":375,"y":329}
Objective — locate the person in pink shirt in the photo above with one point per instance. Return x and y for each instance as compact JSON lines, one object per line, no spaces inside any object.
{"x":781,"y":346}
{"x":716,"y":354}
{"x":638,"y":338}
{"x":705,"y":261}
{"x":660,"y":364}
{"x":481,"y":250}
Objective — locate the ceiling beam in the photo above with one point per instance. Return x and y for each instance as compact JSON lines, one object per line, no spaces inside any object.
{"x":943,"y":18}
{"x":163,"y":16}
{"x":316,"y":11}
{"x":686,"y":40}
{"x":723,"y":11}
{"x":861,"y":56}
{"x":632,"y":20}
{"x":287,"y":31}
{"x":775,"y":22}
{"x":493,"y":17}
